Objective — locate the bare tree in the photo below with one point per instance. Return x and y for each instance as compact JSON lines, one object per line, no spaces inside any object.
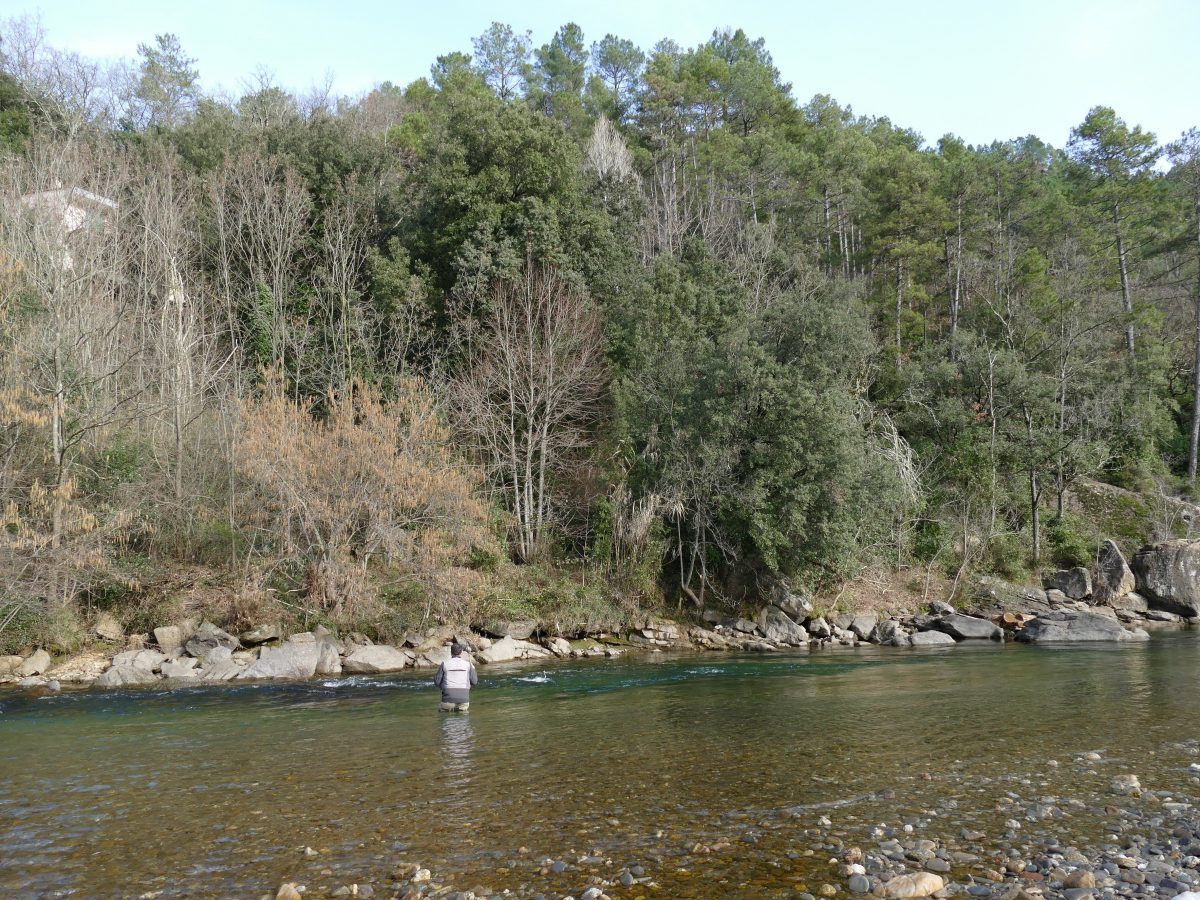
{"x":529,"y":394}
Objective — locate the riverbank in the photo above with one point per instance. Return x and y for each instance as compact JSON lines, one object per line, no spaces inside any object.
{"x":191,"y":652}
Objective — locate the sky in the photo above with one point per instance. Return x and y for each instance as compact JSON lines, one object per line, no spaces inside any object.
{"x":981,"y":69}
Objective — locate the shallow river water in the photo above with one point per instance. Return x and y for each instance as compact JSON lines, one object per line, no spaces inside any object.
{"x":712,"y":773}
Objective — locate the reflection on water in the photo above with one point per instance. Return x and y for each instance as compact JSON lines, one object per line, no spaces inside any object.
{"x":216,"y":791}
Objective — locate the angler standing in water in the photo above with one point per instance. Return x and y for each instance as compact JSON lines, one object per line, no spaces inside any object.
{"x":455,"y":677}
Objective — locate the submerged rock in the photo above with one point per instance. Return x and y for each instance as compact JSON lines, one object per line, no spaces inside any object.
{"x":919,"y":884}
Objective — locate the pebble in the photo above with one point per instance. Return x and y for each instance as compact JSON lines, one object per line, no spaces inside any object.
{"x":860,"y":884}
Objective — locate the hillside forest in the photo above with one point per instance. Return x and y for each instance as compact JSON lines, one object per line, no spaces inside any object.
{"x":573,"y":332}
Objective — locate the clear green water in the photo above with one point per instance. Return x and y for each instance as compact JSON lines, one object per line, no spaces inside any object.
{"x":217,"y":791}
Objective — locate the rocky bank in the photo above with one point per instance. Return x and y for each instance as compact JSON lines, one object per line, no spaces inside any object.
{"x":1112,"y":601}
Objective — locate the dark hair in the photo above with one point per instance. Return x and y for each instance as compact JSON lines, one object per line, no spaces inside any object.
{"x":456,"y":649}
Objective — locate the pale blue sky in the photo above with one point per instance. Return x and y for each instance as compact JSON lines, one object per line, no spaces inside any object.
{"x":983,"y":70}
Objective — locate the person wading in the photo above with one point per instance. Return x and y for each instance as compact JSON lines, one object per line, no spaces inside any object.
{"x":455,"y":677}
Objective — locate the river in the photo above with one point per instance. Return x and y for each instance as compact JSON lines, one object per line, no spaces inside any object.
{"x":710,"y":773}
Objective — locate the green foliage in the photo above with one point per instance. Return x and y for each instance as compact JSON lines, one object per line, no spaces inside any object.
{"x":1073,"y":540}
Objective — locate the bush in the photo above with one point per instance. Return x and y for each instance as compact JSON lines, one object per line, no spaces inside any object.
{"x":1072,"y":541}
{"x":1008,"y":556}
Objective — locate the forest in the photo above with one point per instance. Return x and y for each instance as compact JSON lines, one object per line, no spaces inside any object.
{"x":569,"y":332}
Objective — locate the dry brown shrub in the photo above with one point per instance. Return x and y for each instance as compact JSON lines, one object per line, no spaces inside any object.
{"x":371,"y":480}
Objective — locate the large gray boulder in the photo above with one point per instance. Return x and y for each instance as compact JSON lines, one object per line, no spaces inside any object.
{"x":329,"y":661}
{"x":890,"y":633}
{"x":184,"y":667}
{"x":863,"y":625}
{"x":150,"y":660}
{"x":931,"y":639}
{"x":1070,"y":626}
{"x":208,"y":636}
{"x":292,"y":660}
{"x":778,"y":626}
{"x":1168,"y":576}
{"x":504,"y":650}
{"x":377,"y":658}
{"x":1113,"y":578}
{"x":518,"y":629}
{"x":119,"y":676}
{"x":35,"y":664}
{"x":1076,"y":583}
{"x":968,"y":628}
{"x":169,"y":637}
{"x":260,"y":634}
{"x":793,"y":605}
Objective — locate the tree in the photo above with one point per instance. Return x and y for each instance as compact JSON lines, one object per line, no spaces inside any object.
{"x":527,"y":398}
{"x":1185,"y":155}
{"x":502,"y":58}
{"x":618,"y":64}
{"x":167,"y":89}
{"x":1117,"y":160}
{"x":559,"y":76}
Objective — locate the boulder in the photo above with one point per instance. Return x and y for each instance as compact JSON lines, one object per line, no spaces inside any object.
{"x":931,"y":639}
{"x":220,"y":670}
{"x":794,"y":606}
{"x":559,"y":646}
{"x":968,"y":628}
{"x":185,"y":667}
{"x":329,"y":661}
{"x":819,"y":628}
{"x":1113,"y":578}
{"x":504,"y":650}
{"x":842,"y":621}
{"x":291,"y":660}
{"x":940,"y":608}
{"x":169,"y":637}
{"x":217,"y":655}
{"x":375,"y":659}
{"x":918,"y":884}
{"x":119,"y":676}
{"x":519,"y":629}
{"x":863,"y":624}
{"x":778,"y":626}
{"x":260,"y":634}
{"x":150,"y":660}
{"x":1132,"y":602}
{"x":208,"y":636}
{"x":1070,"y":625}
{"x":1076,"y":583}
{"x":108,"y":628}
{"x":9,"y":665}
{"x":1168,"y":576}
{"x":35,"y":664}
{"x":890,"y":633}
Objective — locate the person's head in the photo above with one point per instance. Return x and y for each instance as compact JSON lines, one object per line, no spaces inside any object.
{"x":456,"y":649}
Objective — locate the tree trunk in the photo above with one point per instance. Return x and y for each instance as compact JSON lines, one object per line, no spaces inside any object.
{"x":1126,"y":298}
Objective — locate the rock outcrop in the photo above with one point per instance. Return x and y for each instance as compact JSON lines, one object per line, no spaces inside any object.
{"x":1168,"y":576}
